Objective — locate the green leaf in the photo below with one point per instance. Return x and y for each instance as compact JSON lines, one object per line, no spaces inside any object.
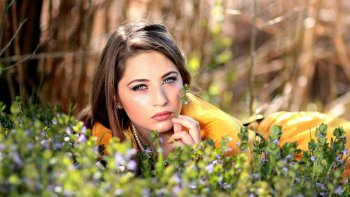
{"x":276,"y":132}
{"x":323,"y":129}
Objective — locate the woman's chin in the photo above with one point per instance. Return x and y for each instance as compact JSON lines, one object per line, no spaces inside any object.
{"x":163,"y":127}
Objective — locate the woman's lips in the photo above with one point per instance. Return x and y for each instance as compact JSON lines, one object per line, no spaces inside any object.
{"x":162,"y":116}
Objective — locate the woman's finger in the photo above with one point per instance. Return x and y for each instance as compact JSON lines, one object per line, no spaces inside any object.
{"x":183,"y":136}
{"x":177,"y":127}
{"x":191,"y":124}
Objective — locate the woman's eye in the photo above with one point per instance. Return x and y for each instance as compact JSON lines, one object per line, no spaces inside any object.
{"x":139,"y":87}
{"x":169,"y":80}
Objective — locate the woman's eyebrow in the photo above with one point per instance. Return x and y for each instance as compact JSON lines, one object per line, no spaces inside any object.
{"x":146,"y":80}
{"x":138,"y":80}
{"x":169,"y":73}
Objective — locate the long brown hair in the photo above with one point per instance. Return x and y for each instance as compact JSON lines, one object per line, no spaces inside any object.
{"x":127,"y":41}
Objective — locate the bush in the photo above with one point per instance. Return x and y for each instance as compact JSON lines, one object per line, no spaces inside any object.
{"x":45,"y":152}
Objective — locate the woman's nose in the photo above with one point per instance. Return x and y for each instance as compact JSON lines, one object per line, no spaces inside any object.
{"x":160,"y":97}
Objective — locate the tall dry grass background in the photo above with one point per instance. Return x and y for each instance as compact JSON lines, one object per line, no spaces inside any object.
{"x":245,"y":56}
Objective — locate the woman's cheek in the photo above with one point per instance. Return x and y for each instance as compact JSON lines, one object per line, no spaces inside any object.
{"x":135,"y":105}
{"x":177,"y":95}
{"x":140,"y":101}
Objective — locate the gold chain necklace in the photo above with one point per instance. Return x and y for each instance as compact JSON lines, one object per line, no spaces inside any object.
{"x":136,"y":137}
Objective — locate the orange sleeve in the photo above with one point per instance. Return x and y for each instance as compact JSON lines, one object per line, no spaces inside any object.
{"x":102,"y":134}
{"x":214,"y":123}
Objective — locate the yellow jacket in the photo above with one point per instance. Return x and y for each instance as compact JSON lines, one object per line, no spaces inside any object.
{"x":215,"y":124}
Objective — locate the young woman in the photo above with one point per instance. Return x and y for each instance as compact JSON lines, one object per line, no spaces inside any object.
{"x":137,"y":90}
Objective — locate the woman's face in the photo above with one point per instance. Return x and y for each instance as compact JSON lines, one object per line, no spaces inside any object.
{"x":149,"y":91}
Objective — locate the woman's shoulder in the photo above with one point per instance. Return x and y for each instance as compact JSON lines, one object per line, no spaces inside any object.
{"x":207,"y":113}
{"x":102,"y":133}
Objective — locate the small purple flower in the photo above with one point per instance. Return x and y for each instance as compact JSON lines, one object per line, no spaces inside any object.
{"x":264,"y":160}
{"x":2,"y":147}
{"x":285,"y":169}
{"x":131,"y":165}
{"x":67,"y":193}
{"x":17,"y":159}
{"x":312,"y":158}
{"x":68,"y":131}
{"x":321,"y":186}
{"x":51,"y":187}
{"x":118,"y":192}
{"x":251,"y":195}
{"x":276,"y":141}
{"x":339,"y":160}
{"x":345,"y":151}
{"x":95,"y":149}
{"x":83,"y":130}
{"x":176,"y":178}
{"x":58,"y":145}
{"x":119,"y":159}
{"x":176,"y":189}
{"x":285,"y":161}
{"x":209,"y":168}
{"x":162,"y":191}
{"x":161,"y":140}
{"x":339,"y":190}
{"x":45,"y":144}
{"x":29,"y":146}
{"x":148,"y":150}
{"x":82,"y":138}
{"x":225,"y":185}
{"x":256,"y":176}
{"x":146,"y":192}
{"x":29,"y":132}
{"x":289,"y":157}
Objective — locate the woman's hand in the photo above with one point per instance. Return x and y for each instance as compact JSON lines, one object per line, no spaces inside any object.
{"x":182,"y":137}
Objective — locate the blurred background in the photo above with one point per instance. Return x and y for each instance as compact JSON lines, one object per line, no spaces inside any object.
{"x":247,"y":57}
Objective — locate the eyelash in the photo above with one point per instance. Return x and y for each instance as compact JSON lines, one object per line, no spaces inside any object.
{"x":141,"y":87}
{"x":172,"y":79}
{"x":138,"y":87}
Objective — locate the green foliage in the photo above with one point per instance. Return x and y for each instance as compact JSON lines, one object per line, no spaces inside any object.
{"x":47,"y":153}
{"x":183,"y":98}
